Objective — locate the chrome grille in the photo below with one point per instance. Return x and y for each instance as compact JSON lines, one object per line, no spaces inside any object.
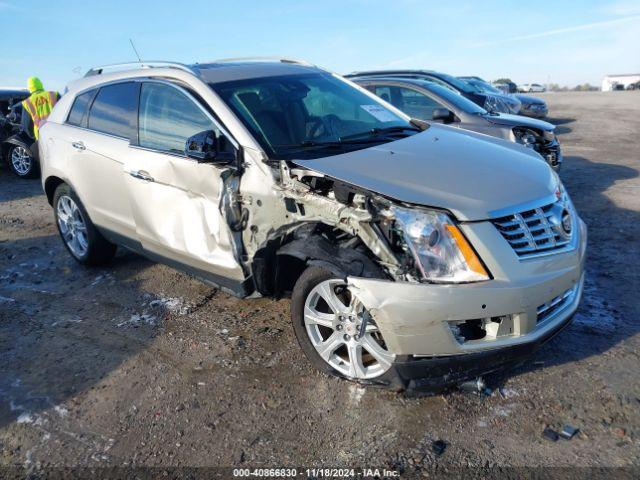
{"x":556,"y":304}
{"x":537,"y":230}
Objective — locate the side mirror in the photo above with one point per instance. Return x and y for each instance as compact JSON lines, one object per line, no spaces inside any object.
{"x":443,"y":114}
{"x":421,"y":124}
{"x":207,"y":147}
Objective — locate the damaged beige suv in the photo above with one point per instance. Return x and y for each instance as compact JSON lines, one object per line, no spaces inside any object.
{"x":416,"y":256}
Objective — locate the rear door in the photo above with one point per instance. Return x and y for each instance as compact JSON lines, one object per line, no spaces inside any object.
{"x":176,"y":201}
{"x":101,"y":124}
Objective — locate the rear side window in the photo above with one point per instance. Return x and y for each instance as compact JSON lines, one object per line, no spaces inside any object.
{"x":168,"y":118}
{"x":114,"y":110}
{"x":80,"y":108}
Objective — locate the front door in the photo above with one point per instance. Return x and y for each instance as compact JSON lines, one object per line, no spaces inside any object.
{"x":177,"y":201}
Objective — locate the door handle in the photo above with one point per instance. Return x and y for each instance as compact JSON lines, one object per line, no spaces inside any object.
{"x":78,"y":145}
{"x":141,"y":175}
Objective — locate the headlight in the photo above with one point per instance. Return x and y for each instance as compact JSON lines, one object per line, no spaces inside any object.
{"x":491,"y":104}
{"x":494,"y":103}
{"x":527,"y":137}
{"x":440,"y":251}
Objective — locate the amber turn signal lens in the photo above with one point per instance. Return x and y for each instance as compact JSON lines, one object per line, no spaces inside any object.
{"x":470,"y":256}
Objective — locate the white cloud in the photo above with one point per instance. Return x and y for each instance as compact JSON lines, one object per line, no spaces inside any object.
{"x":622,"y":8}
{"x":561,"y":31}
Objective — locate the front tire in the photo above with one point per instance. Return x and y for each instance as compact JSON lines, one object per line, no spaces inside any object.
{"x":22,"y":162}
{"x":79,"y":235}
{"x":327,"y":319}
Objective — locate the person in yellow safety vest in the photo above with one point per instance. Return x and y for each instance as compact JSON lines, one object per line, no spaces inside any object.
{"x":39,"y":104}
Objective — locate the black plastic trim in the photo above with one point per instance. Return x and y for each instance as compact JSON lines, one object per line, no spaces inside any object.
{"x":433,"y":374}
{"x":237,"y":288}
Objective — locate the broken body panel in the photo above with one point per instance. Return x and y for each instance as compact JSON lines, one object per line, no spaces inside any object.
{"x":236,"y":222}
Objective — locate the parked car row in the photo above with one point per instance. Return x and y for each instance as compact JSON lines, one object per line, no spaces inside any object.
{"x":16,"y":152}
{"x":429,"y":101}
{"x":492,"y":102}
{"x":529,"y":106}
{"x":416,"y":253}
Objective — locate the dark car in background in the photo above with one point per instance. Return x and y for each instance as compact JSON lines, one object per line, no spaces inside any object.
{"x":431,"y":102}
{"x":531,"y":106}
{"x":504,"y":87}
{"x":9,"y":97}
{"x":492,"y":102}
{"x":15,"y":141}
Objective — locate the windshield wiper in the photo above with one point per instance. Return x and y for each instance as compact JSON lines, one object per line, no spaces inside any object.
{"x":310,"y":144}
{"x":375,"y":135}
{"x":376,"y":132}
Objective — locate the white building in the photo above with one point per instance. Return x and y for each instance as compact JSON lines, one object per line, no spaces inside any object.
{"x":610,"y":81}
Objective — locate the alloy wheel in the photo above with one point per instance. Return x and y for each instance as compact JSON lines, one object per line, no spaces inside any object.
{"x":333,"y":319}
{"x":72,"y":226}
{"x":21,"y":160}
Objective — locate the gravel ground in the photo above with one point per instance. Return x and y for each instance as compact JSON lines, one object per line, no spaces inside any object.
{"x":137,"y":364}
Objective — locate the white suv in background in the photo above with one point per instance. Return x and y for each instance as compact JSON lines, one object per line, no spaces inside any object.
{"x":416,"y":256}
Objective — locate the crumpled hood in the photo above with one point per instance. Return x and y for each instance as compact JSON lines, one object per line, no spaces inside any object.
{"x":519,"y":121}
{"x":472,"y":175}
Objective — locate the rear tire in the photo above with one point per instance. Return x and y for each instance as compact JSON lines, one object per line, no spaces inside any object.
{"x":79,"y":235}
{"x":22,"y":163}
{"x":326,"y":320}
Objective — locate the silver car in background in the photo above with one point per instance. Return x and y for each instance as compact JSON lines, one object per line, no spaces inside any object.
{"x":432,"y":102}
{"x":492,"y":102}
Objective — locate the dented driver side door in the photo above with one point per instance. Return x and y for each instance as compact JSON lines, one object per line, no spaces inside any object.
{"x":176,"y":201}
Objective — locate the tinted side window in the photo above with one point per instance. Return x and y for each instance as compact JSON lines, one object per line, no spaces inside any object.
{"x":114,"y":110}
{"x":78,"y":113}
{"x":415,"y":104}
{"x":168,"y":118}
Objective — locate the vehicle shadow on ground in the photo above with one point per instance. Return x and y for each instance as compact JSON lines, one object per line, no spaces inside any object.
{"x":14,"y":188}
{"x":599,"y":323}
{"x":59,"y":325}
{"x":560,"y":124}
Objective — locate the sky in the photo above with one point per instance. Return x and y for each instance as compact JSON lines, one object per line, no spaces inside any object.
{"x":540,"y":41}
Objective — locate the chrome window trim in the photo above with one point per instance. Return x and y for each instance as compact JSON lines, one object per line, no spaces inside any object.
{"x":222,"y":129}
{"x":126,"y":139}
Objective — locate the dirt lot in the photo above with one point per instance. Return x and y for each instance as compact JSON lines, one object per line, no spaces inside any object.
{"x":137,"y":364}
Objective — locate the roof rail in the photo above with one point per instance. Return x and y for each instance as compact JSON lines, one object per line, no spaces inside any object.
{"x":264,"y":59}
{"x":146,"y":64}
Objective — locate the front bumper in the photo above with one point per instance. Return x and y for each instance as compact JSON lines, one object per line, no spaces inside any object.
{"x":532,"y":299}
{"x":534,"y":111}
{"x":431,"y":374}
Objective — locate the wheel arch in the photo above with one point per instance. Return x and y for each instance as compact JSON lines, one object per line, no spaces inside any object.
{"x":50,"y":185}
{"x":279,"y":263}
{"x":18,"y":140}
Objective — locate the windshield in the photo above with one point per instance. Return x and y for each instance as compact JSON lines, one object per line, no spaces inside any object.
{"x":483,"y":87}
{"x":310,"y":115}
{"x":459,"y":84}
{"x":456,"y":99}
